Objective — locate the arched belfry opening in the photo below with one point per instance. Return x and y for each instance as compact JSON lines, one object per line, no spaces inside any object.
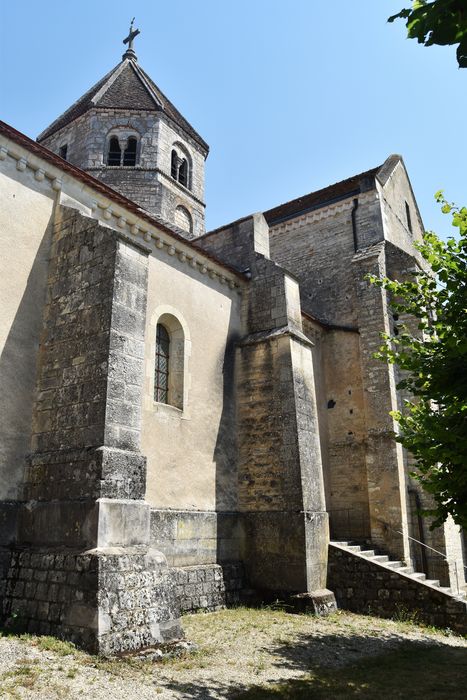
{"x":125,"y":132}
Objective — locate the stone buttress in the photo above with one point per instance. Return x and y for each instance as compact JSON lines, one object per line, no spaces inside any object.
{"x":82,"y":567}
{"x":281,"y":491}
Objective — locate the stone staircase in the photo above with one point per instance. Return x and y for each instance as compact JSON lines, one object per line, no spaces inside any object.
{"x":364,"y":580}
{"x":398,"y":567}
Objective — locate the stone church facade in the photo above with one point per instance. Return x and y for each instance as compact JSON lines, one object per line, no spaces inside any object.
{"x":188,"y":416}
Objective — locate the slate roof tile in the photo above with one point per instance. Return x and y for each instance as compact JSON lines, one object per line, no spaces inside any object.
{"x":128,"y":87}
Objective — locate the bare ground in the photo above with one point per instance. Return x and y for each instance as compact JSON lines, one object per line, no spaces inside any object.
{"x":252,"y":654}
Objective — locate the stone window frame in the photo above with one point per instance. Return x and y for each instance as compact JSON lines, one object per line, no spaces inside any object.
{"x":123,"y":134}
{"x":176,"y":327}
{"x":180,"y":158}
{"x":162,"y":364}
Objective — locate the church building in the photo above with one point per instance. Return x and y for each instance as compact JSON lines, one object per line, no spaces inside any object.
{"x":193,"y":419}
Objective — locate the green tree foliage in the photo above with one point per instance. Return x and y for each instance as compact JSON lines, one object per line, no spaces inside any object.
{"x":431,"y":351}
{"x":442,"y":22}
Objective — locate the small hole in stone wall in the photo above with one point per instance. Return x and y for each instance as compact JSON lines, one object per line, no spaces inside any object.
{"x":395,"y":330}
{"x":350,"y":432}
{"x":331,"y":403}
{"x":350,"y":391}
{"x":351,"y":410}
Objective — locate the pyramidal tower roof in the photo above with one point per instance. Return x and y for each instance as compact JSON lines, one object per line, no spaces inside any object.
{"x":127,"y":87}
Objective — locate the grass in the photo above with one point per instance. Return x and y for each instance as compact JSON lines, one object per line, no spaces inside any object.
{"x":260,"y":654}
{"x":416,"y":673}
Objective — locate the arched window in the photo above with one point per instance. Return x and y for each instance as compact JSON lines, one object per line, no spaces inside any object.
{"x":183,"y":173}
{"x":169,"y":369}
{"x":174,"y":165}
{"x":180,"y":166}
{"x":161,"y":378}
{"x":122,"y":147}
{"x":129,"y":155}
{"x":114,"y":155}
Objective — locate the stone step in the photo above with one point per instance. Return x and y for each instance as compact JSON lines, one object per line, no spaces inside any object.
{"x":350,"y":546}
{"x":408,"y":570}
{"x":419,"y":576}
{"x":340,"y":544}
{"x":395,"y":564}
{"x":445,"y":589}
{"x":381,"y":558}
{"x":370,"y":553}
{"x":432,"y":582}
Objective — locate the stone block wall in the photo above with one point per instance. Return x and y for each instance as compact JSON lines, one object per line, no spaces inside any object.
{"x":237,"y":242}
{"x":104,"y":602}
{"x":82,"y":541}
{"x":191,"y":538}
{"x":281,"y":493}
{"x":149,"y":183}
{"x":364,"y":587}
{"x":317,"y":249}
{"x":209,"y":587}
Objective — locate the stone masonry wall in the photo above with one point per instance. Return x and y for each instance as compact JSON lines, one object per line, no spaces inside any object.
{"x":209,"y":587}
{"x":384,"y":457}
{"x":318,"y":250}
{"x":191,"y":538}
{"x":149,"y":183}
{"x":347,"y":495}
{"x":364,"y":587}
{"x":281,"y":489}
{"x":105,"y":603}
{"x":235,"y":243}
{"x":83,"y":533}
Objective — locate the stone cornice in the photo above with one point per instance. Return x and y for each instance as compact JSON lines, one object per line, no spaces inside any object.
{"x":324,"y":212}
{"x":140,"y":168}
{"x":274,"y":334}
{"x":111,"y":213}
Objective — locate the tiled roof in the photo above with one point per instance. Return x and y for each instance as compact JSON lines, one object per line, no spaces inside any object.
{"x":314,"y":200}
{"x":128,"y":87}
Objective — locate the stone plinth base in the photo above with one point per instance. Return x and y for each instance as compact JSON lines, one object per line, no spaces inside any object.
{"x":321,"y":602}
{"x":104,"y":600}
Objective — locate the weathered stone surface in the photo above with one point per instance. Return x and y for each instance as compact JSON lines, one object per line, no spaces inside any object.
{"x":81,"y":566}
{"x":321,"y":602}
{"x":362,"y":586}
{"x":106,"y":601}
{"x":190,"y":538}
{"x":209,"y":587}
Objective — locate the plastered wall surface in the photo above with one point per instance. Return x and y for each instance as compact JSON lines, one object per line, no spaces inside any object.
{"x":27,"y":210}
{"x":191,"y":452}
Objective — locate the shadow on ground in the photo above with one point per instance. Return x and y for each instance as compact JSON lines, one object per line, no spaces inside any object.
{"x":382,"y":668}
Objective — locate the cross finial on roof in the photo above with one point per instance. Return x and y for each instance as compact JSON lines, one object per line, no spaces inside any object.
{"x":129,"y":53}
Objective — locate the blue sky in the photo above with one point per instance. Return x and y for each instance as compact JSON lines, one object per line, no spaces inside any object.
{"x":291,"y":96}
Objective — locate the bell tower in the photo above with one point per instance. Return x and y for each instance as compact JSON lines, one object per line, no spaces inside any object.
{"x":126,"y":132}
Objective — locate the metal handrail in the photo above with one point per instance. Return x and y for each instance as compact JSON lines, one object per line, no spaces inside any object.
{"x":427,"y":546}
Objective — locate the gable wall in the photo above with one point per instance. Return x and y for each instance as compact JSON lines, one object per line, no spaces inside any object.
{"x":395,"y":192}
